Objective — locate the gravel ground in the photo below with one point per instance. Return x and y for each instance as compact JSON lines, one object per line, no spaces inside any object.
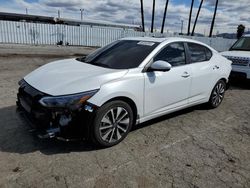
{"x":192,"y":148}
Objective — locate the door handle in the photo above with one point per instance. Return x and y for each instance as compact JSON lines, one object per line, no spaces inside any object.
{"x":185,"y":75}
{"x":216,"y":67}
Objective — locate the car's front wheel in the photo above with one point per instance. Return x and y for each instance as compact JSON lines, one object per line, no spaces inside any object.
{"x":217,"y":94}
{"x":112,"y":123}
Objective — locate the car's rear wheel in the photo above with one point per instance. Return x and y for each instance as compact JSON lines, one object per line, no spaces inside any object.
{"x":112,"y":123}
{"x":217,"y":94}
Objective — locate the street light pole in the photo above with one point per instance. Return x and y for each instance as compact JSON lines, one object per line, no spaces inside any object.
{"x":59,"y":14}
{"x":81,"y":13}
{"x":182,"y":26}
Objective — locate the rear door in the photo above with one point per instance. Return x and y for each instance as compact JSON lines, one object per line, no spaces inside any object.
{"x":204,"y":72}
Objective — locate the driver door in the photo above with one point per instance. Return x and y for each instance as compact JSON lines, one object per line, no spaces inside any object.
{"x":168,"y":90}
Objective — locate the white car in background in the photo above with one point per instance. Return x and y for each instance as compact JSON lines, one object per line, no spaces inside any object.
{"x":127,"y":82}
{"x":239,"y":54}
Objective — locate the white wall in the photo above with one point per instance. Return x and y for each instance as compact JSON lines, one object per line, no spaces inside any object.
{"x":50,"y":34}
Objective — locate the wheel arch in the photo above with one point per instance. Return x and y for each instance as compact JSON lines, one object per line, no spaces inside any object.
{"x":226,"y":82}
{"x":224,"y":79}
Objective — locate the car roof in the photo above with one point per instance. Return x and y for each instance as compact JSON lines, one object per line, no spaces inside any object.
{"x":160,"y":39}
{"x":167,"y":40}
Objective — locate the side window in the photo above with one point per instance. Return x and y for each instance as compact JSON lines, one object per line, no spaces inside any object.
{"x":198,"y":53}
{"x":208,"y":54}
{"x":174,"y":54}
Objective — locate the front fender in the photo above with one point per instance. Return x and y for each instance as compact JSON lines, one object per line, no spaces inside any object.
{"x":131,"y":86}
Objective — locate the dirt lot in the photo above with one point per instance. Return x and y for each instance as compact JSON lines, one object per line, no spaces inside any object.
{"x":192,"y":148}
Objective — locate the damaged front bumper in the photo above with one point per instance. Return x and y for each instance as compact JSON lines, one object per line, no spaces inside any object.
{"x":62,"y":123}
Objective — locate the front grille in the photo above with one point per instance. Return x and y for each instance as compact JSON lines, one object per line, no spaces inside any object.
{"x":240,"y":61}
{"x":28,"y":98}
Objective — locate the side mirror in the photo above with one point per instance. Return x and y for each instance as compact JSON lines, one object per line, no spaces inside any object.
{"x":160,"y":66}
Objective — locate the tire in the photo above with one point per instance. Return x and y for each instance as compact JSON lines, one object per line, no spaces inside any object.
{"x":112,"y":123}
{"x":217,"y":94}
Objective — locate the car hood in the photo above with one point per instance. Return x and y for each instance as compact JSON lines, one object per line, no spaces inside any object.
{"x":236,"y":53}
{"x":70,"y":76}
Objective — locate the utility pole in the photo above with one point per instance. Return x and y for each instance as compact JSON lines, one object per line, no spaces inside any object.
{"x":182,"y":26}
{"x":142,"y":17}
{"x":59,"y":14}
{"x":212,"y":24}
{"x":81,"y":13}
{"x":26,"y":11}
{"x":190,"y":16}
{"x":164,"y":16}
{"x":197,"y":16}
{"x":153,"y":17}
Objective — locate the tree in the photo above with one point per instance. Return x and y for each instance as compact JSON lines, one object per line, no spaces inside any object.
{"x":212,"y":24}
{"x":164,"y":16}
{"x":142,"y":16}
{"x":190,"y":16}
{"x":153,"y":17}
{"x":197,"y":16}
{"x":240,"y":30}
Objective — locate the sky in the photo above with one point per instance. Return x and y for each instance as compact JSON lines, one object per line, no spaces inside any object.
{"x":230,"y":13}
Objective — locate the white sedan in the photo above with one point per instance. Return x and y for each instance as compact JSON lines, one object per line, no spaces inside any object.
{"x":130,"y":81}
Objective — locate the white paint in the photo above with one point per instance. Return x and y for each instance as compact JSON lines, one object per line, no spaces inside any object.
{"x":154,"y":94}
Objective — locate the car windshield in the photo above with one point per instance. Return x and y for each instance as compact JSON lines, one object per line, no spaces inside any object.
{"x":123,"y":54}
{"x":242,"y":44}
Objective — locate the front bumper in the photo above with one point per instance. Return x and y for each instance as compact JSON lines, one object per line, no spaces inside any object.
{"x":240,"y":71}
{"x":53,"y":122}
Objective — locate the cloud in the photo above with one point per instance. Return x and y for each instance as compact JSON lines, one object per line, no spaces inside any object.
{"x":230,"y":12}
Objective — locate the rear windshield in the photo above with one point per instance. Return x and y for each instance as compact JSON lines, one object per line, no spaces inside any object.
{"x":123,"y":54}
{"x":242,"y":44}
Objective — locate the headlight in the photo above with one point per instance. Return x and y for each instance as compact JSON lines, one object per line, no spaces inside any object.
{"x":68,"y":101}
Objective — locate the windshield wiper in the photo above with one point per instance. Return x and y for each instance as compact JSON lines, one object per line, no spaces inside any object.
{"x":101,"y":65}
{"x":240,"y":49}
{"x":82,"y":59}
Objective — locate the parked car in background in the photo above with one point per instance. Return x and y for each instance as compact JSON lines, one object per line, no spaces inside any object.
{"x":130,"y":81}
{"x":239,"y":54}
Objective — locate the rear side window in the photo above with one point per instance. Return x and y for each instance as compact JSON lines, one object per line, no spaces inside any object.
{"x":208,"y":54}
{"x":174,"y":54}
{"x":199,"y":53}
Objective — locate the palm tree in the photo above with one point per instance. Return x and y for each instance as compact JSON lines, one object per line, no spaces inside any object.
{"x":190,"y":15}
{"x":212,"y":24}
{"x":164,"y":16}
{"x":197,"y":16}
{"x":142,"y":16}
{"x":153,"y":17}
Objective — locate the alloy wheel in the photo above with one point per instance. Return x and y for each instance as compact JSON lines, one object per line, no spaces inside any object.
{"x":218,"y":94}
{"x":114,"y":124}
